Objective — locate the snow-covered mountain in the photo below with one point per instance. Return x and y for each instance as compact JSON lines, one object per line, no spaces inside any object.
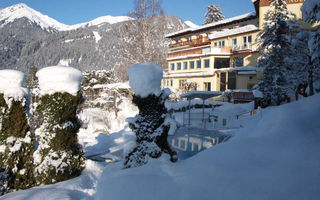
{"x":29,"y":38}
{"x":10,"y":14}
{"x":100,"y":21}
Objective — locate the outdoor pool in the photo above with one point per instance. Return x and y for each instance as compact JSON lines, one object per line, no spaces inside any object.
{"x":188,"y":141}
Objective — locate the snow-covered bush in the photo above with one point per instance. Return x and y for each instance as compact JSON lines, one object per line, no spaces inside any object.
{"x":58,"y":155}
{"x":150,"y":124}
{"x":16,"y":144}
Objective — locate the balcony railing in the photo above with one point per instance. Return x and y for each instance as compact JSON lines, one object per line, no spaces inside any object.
{"x":191,"y":43}
{"x":247,"y":46}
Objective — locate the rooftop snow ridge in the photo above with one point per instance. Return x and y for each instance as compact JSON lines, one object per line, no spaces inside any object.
{"x":211,"y":25}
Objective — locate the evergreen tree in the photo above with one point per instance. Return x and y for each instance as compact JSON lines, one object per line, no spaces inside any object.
{"x":213,"y":14}
{"x":16,"y":145}
{"x":311,"y":13}
{"x":151,"y":130}
{"x":276,"y":53}
{"x":58,"y":156}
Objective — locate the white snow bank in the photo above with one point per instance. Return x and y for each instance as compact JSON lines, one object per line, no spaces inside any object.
{"x":274,"y":157}
{"x":11,"y":82}
{"x":82,"y":187}
{"x":59,"y":79}
{"x":145,"y":79}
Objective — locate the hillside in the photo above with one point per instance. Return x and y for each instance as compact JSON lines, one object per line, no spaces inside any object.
{"x":28,"y":38}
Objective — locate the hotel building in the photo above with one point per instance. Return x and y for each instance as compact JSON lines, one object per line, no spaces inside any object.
{"x":220,"y":55}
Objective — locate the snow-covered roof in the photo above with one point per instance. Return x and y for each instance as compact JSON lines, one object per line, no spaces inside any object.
{"x":228,"y":32}
{"x":211,"y":25}
{"x":59,"y":79}
{"x":243,"y":70}
{"x":201,"y":94}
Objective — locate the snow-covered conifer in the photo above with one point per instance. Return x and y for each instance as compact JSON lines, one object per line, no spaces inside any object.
{"x":276,"y":51}
{"x":213,"y":14}
{"x":151,"y":125}
{"x":311,"y":13}
{"x":58,"y":155}
{"x":16,"y":141}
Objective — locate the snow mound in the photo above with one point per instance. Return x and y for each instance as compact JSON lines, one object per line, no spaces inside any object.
{"x":9,"y":14}
{"x":11,"y":82}
{"x":59,"y":79}
{"x":145,"y":79}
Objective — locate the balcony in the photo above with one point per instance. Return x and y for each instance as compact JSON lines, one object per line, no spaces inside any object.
{"x":191,"y":43}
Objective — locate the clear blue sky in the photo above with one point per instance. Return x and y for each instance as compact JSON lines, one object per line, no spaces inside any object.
{"x":77,"y":11}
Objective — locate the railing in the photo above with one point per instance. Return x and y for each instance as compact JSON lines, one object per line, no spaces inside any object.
{"x":191,"y":43}
{"x":247,"y":46}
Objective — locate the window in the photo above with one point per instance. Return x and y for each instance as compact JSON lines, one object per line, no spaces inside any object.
{"x":207,"y":63}
{"x":179,"y":66}
{"x":239,"y":61}
{"x":185,"y":65}
{"x":172,"y":66}
{"x":167,"y":83}
{"x":188,"y":38}
{"x":221,"y":63}
{"x":221,"y":43}
{"x":171,"y":83}
{"x":207,"y":86}
{"x":247,"y":40}
{"x":199,"y":64}
{"x":215,"y":44}
{"x":232,"y":80}
{"x":191,"y":64}
{"x":234,"y":42}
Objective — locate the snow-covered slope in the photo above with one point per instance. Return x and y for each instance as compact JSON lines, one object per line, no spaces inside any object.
{"x":21,"y":10}
{"x":191,"y":24}
{"x":274,"y":157}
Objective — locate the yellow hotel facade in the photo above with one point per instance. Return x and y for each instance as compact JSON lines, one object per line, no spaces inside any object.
{"x":220,"y":55}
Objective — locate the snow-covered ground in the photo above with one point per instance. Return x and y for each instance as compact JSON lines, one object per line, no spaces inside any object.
{"x":274,"y":156}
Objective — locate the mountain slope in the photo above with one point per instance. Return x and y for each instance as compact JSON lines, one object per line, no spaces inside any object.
{"x":29,"y":39}
{"x":18,"y":11}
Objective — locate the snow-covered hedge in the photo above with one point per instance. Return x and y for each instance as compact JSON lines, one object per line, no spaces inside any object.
{"x":150,"y":124}
{"x":16,"y":144}
{"x":58,"y":156}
